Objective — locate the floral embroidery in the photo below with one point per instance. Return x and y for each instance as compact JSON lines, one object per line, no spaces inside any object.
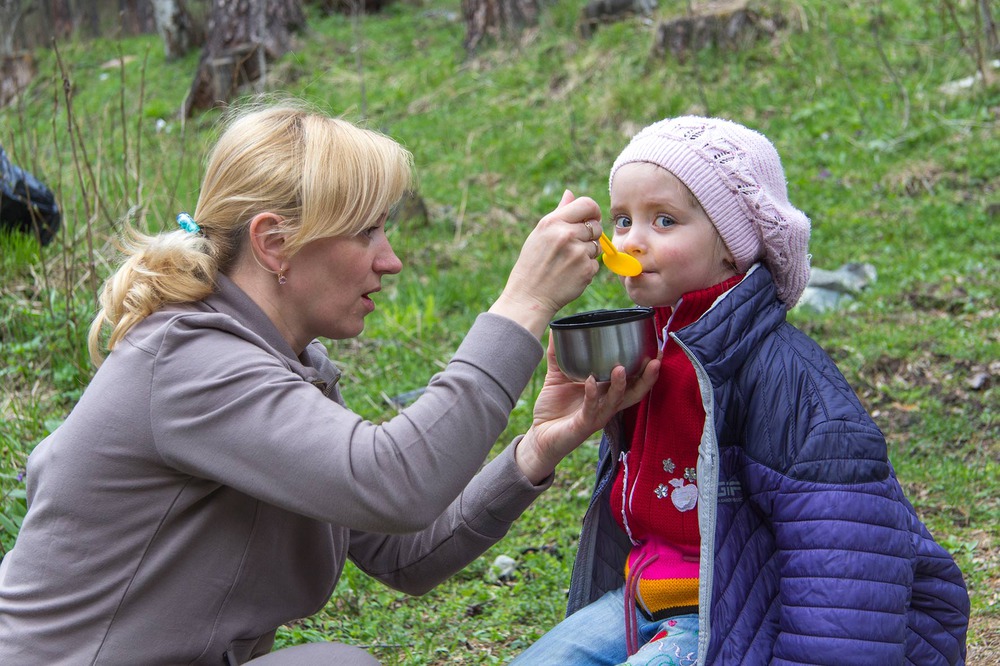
{"x":661,"y":491}
{"x":668,"y":466}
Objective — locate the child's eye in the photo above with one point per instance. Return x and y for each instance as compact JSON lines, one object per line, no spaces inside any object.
{"x":662,"y":221}
{"x":622,"y":222}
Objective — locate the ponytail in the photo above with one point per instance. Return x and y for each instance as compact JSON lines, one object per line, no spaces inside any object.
{"x":171,"y":267}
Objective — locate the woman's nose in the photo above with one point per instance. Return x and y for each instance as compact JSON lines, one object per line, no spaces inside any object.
{"x":386,"y":262}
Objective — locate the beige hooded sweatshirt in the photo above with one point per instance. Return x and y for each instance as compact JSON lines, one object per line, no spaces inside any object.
{"x":209,"y":487}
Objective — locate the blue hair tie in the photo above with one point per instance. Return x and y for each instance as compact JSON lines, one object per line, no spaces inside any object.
{"x":187,"y":223}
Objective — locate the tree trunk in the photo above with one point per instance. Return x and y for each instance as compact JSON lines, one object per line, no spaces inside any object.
{"x":350,"y":6}
{"x":129,"y":17}
{"x":496,"y":19}
{"x":176,"y":27}
{"x":242,"y":36}
{"x":11,"y":12}
{"x":733,"y":24}
{"x":138,"y":16}
{"x":989,"y":28}
{"x":16,"y":72}
{"x":91,"y":17}
{"x":61,"y":16}
{"x":597,"y":12}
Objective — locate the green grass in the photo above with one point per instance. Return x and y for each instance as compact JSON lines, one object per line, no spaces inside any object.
{"x":891,"y":171}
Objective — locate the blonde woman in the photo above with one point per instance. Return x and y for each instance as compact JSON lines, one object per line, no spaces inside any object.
{"x":211,"y":484}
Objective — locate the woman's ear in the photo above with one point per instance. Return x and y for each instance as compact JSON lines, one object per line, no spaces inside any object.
{"x":267,"y":241}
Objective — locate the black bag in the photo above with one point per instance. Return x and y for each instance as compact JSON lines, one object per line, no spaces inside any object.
{"x":26,"y":204}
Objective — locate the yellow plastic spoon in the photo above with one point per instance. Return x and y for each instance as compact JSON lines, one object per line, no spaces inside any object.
{"x":618,"y":262}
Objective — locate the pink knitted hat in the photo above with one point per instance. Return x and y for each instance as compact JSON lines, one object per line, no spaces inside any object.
{"x":736,"y":175}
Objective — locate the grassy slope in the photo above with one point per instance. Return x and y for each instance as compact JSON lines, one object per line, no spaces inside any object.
{"x":895,"y":174}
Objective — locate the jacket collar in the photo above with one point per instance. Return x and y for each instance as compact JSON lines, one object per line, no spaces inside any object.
{"x":725,"y":337}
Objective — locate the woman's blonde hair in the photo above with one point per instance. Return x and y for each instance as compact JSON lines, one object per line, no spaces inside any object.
{"x":323,"y":176}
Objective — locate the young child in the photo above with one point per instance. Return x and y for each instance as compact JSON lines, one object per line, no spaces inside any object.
{"x":745,"y":510}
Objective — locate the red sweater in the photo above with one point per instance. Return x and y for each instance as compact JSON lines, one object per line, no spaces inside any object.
{"x":655,"y":494}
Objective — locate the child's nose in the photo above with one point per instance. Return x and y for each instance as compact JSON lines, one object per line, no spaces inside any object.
{"x":631,"y":243}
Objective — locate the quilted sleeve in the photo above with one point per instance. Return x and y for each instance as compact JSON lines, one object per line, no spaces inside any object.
{"x":939,"y":606}
{"x":845,"y":556}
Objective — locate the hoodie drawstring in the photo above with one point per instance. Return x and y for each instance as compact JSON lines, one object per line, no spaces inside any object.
{"x":631,"y":614}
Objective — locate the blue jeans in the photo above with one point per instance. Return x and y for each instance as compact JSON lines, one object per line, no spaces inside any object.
{"x":595,"y":636}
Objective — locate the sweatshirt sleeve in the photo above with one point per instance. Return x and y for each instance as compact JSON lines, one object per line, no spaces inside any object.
{"x":227,"y":409}
{"x":481,"y":516}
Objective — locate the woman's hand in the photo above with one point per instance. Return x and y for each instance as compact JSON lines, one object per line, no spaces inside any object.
{"x":557,"y":262}
{"x":568,"y":412}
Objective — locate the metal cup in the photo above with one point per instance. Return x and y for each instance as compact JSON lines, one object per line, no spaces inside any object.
{"x":593,"y":343}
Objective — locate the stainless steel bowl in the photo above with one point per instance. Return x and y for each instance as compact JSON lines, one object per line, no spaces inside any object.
{"x":593,"y":343}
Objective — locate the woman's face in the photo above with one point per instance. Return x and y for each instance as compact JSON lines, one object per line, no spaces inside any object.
{"x":659,"y":222}
{"x":330,"y":283}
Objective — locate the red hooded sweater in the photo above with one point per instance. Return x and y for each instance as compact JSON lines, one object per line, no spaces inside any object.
{"x":655,"y":495}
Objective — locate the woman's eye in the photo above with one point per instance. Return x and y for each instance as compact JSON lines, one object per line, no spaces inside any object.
{"x":663,"y":221}
{"x":372,"y":231}
{"x":622,"y":222}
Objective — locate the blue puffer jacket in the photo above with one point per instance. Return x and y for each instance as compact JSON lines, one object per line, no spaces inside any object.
{"x":810,"y":552}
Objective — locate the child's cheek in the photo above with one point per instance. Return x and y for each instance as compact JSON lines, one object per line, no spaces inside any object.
{"x":636,"y":294}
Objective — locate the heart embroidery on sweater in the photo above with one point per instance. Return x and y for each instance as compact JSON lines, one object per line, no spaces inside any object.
{"x":684,"y":497}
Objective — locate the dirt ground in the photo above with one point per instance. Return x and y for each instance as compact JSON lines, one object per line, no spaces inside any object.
{"x":985,"y":651}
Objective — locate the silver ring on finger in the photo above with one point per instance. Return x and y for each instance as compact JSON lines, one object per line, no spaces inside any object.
{"x":590,"y":228}
{"x":597,"y":247}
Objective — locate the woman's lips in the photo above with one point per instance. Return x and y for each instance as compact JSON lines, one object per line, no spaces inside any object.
{"x":366,"y":298}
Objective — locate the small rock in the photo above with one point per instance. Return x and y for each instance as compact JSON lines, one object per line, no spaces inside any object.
{"x":955,"y":87}
{"x":849,"y":278}
{"x":828,"y":290}
{"x":979,"y":381}
{"x":504,"y":568}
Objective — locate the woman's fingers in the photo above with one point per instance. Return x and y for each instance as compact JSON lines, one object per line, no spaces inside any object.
{"x":600,"y":402}
{"x":576,"y":211}
{"x":560,"y":252}
{"x":640,"y":386}
{"x":603,"y":400}
{"x":555,"y":265}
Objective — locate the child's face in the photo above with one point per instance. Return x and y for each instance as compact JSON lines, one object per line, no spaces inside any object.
{"x":659,"y":222}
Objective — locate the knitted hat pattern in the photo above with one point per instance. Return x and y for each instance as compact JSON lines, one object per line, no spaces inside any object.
{"x":735,"y":174}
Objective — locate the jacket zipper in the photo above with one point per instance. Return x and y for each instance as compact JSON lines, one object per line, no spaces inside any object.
{"x":706,"y":509}
{"x":626,"y":497}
